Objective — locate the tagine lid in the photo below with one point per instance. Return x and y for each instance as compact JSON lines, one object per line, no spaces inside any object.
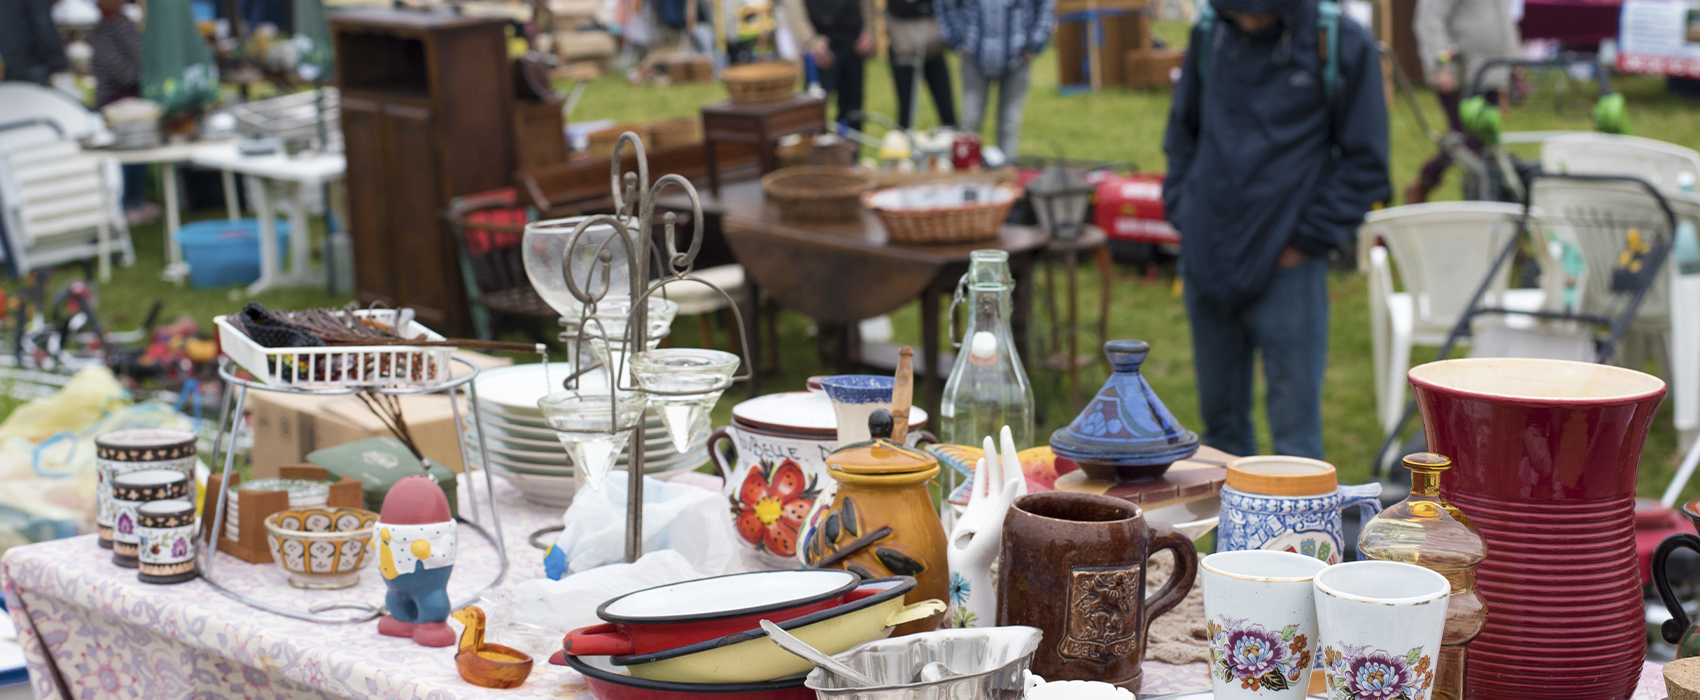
{"x":880,"y":455}
{"x":1125,"y":424}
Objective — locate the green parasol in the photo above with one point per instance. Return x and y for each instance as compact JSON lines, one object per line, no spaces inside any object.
{"x":177,"y":68}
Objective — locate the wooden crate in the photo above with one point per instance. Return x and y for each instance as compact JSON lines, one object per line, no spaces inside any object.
{"x":1150,"y":68}
{"x":1123,"y":30}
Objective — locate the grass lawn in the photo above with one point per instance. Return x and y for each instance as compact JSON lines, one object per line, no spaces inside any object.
{"x":1116,"y":124}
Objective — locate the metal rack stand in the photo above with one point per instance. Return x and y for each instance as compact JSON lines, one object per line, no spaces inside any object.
{"x":362,"y":611}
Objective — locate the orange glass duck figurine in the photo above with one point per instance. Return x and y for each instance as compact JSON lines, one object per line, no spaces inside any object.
{"x":487,"y":665}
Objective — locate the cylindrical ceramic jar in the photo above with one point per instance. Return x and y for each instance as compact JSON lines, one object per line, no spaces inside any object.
{"x":1289,"y":504}
{"x":776,"y":469}
{"x":166,"y":541}
{"x":131,"y":491}
{"x":133,"y":450}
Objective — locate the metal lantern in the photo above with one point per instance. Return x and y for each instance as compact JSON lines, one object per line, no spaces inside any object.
{"x":1060,"y":196}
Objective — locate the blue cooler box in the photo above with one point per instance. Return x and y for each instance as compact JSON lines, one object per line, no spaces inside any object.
{"x":226,"y":252}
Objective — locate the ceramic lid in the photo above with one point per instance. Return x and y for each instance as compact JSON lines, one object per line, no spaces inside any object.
{"x":800,"y":413}
{"x":1126,"y":424}
{"x":880,"y":455}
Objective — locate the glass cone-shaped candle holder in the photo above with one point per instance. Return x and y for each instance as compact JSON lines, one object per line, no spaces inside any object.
{"x":1431,"y":533}
{"x":687,"y":382}
{"x":594,"y":427}
{"x":612,"y":316}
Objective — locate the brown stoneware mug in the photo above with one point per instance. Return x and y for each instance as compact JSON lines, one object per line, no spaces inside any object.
{"x":1074,"y":566}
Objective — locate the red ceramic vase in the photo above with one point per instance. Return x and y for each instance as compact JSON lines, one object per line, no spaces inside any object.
{"x":1545,"y":456}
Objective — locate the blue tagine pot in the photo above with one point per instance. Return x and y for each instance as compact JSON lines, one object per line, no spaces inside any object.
{"x":1126,"y":433}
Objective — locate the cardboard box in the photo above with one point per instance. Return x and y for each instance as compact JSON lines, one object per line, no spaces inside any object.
{"x":1151,"y":68}
{"x":289,"y":426}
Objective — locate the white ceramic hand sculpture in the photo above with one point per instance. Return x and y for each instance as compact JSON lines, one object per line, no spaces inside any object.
{"x":978,"y":534}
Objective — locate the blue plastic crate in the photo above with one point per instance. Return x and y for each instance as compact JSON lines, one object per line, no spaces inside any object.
{"x":222,"y":253}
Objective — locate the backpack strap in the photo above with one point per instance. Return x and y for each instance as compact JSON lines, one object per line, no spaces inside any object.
{"x":1206,"y":30}
{"x":1328,"y":22}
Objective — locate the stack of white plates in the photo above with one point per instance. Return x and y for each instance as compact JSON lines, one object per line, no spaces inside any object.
{"x":303,"y":493}
{"x":521,"y":448}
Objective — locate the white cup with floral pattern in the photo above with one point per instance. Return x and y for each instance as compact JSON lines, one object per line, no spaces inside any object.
{"x":1378,"y":629}
{"x":1260,"y":611}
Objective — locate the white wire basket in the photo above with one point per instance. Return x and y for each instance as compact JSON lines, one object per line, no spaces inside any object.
{"x":340,"y":365}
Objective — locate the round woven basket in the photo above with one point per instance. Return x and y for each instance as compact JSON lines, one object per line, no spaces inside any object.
{"x":958,"y":223}
{"x":759,"y":83}
{"x":817,"y":192}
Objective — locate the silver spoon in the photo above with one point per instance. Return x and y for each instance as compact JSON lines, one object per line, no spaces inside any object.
{"x":813,"y":655}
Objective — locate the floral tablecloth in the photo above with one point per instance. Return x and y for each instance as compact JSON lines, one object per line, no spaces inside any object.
{"x":92,"y":629}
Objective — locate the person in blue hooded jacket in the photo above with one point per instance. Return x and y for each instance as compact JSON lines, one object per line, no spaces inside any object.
{"x":1269,"y":174}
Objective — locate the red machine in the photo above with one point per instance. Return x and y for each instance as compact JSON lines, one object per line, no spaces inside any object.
{"x":1130,"y":209}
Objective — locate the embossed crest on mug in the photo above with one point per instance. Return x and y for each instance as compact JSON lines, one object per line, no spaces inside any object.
{"x":1102,"y":620}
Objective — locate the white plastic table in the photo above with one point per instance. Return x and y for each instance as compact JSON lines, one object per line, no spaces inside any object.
{"x":166,"y":156}
{"x":276,"y":172}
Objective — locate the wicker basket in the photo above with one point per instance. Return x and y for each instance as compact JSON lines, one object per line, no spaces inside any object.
{"x":602,"y":142}
{"x":946,"y":223}
{"x":675,"y":132}
{"x":818,"y":193}
{"x":760,"y":83}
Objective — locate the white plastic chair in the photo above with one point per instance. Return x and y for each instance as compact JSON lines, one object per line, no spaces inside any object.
{"x":1443,"y":251}
{"x":1657,"y":162}
{"x":698,"y":300}
{"x":59,"y":207}
{"x":1595,"y":217}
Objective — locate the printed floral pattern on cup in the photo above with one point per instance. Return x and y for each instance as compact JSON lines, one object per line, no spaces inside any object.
{"x":1361,"y":673}
{"x":1257,"y":657}
{"x":770,"y":506}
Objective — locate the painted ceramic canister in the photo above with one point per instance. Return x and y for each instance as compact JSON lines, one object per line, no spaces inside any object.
{"x":1125,"y":433}
{"x":166,"y":541}
{"x":132,"y":450}
{"x":776,"y":469}
{"x":880,"y":519}
{"x":1545,"y":456}
{"x":1289,"y":504}
{"x":131,"y":491}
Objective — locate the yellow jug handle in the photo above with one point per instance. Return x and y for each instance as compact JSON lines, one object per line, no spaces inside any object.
{"x":915,"y":611}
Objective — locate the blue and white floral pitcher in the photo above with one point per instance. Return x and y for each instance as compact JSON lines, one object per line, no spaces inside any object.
{"x":1289,"y":504}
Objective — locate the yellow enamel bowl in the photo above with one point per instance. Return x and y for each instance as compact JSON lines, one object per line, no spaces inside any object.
{"x":872,"y":610}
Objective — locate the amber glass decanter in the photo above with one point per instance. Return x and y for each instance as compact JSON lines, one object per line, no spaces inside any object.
{"x":1431,"y":533}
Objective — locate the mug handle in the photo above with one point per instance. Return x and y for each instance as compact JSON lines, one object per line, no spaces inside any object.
{"x":714,"y":454}
{"x":1673,"y":628}
{"x":598,"y":640}
{"x":1367,"y":498}
{"x":1186,"y":569}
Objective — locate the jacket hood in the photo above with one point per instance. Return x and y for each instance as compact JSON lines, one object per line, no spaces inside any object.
{"x":1297,"y":29}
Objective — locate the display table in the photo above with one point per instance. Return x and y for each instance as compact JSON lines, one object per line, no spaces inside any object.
{"x":111,"y":636}
{"x":166,"y":156}
{"x":841,"y":273}
{"x":275,"y":172}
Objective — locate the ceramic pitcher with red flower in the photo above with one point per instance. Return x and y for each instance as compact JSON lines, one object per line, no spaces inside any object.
{"x":772,"y":482}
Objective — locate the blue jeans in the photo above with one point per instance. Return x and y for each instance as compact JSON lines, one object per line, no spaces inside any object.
{"x":1288,"y":325}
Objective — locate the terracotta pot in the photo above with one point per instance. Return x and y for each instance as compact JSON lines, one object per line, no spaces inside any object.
{"x":1546,"y":454}
{"x":1074,"y":566}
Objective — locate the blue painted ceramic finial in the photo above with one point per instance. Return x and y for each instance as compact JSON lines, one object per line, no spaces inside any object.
{"x":1126,"y":355}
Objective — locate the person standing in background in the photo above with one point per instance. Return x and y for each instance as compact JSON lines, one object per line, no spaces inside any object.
{"x":1272,"y":166}
{"x":997,"y":40}
{"x":1455,"y":38}
{"x":839,"y":34}
{"x":117,"y":68}
{"x":916,"y":39}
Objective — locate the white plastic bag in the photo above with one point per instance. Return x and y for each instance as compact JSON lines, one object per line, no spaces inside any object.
{"x":571,"y":603}
{"x":689,"y":519}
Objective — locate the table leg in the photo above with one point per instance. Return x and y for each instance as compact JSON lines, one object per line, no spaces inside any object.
{"x":268,"y":238}
{"x":709,"y":160}
{"x":1070,"y":266}
{"x":930,"y":353}
{"x":232,"y":203}
{"x":175,"y":269}
{"x":299,"y":234}
{"x":1106,"y":280}
{"x":752,"y":324}
{"x":1021,"y":268}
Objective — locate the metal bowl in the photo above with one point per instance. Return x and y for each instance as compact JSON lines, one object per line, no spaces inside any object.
{"x":985,"y":664}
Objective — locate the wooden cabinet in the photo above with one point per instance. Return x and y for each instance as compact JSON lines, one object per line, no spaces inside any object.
{"x":427,"y":115}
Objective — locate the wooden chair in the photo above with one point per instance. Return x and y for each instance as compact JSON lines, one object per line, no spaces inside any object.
{"x":488,"y":229}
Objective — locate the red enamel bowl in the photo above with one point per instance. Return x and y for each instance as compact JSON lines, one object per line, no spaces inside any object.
{"x":681,"y":614}
{"x":607,"y":683}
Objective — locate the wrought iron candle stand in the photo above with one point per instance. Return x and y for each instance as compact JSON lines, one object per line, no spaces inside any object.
{"x":634,"y":205}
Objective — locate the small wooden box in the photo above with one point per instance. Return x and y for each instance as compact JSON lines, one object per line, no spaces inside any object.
{"x":255,"y":506}
{"x":1150,"y":68}
{"x":690,"y":68}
